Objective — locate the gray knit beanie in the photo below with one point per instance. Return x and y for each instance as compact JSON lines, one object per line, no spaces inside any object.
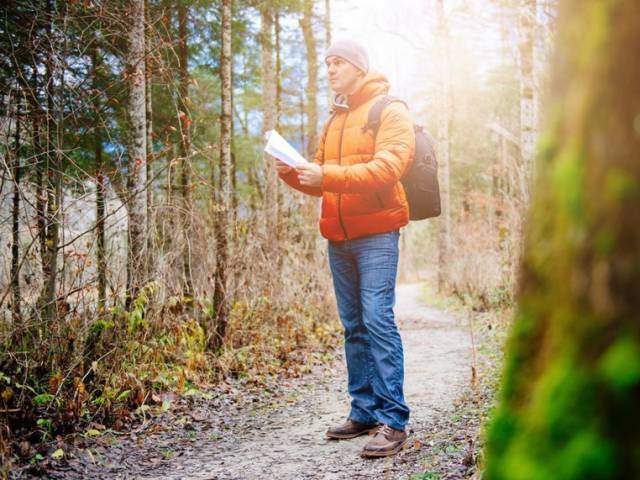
{"x":351,"y":51}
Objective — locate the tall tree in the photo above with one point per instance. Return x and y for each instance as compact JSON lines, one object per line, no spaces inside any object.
{"x":327,"y":39}
{"x":568,"y":403}
{"x":96,"y":60}
{"x":528,"y":92}
{"x":15,"y":216}
{"x":444,"y":148}
{"x":149,"y":114}
{"x":306,"y":23}
{"x":221,"y":301}
{"x":272,"y":210}
{"x":137,"y":167}
{"x":52,"y":170}
{"x":278,"y":77}
{"x":185,"y":146}
{"x":278,"y":48}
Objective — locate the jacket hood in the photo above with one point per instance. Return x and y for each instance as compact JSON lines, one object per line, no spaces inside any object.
{"x":374,"y":83}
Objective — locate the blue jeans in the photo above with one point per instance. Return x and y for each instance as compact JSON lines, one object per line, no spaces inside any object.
{"x":364,"y":278}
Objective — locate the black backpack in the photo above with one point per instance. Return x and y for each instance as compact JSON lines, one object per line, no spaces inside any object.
{"x":420,"y":181}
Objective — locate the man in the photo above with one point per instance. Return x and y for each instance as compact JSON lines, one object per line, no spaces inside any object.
{"x":363,"y":208}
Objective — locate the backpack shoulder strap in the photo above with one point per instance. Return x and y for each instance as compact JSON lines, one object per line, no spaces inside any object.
{"x":374,"y":117}
{"x":323,"y":139}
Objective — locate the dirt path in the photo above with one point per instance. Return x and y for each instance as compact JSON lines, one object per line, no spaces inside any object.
{"x":286,"y":440}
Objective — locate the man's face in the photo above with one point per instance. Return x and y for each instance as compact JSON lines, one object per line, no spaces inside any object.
{"x":342,"y":74}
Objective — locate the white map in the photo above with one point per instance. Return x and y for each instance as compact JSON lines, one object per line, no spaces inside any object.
{"x":281,"y":149}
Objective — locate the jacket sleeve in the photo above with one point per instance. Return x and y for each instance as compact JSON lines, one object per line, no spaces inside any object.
{"x":394,"y":151}
{"x":291,"y":178}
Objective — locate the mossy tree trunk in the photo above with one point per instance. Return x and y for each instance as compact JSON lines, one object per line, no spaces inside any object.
{"x":568,"y":407}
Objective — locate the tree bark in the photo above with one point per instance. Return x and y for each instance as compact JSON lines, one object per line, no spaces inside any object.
{"x":528,"y":93}
{"x":137,"y":172}
{"x":52,"y":181}
{"x":271,"y":210}
{"x":221,"y":300}
{"x":15,"y":215}
{"x":312,"y":77}
{"x":185,"y":149}
{"x":100,"y":181}
{"x":148,"y":75}
{"x":327,"y":41}
{"x":571,"y":382}
{"x":278,"y":76}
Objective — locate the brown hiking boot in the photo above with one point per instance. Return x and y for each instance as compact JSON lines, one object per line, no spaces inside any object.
{"x":351,"y":429}
{"x":387,"y":441}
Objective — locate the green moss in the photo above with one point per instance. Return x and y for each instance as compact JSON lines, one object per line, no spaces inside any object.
{"x":604,"y":242}
{"x":522,"y":333}
{"x":598,"y":19}
{"x":619,"y":186}
{"x":521,"y":465}
{"x":563,"y":403}
{"x":620,"y":365}
{"x":586,"y":457}
{"x":569,"y":404}
{"x":501,"y":429}
{"x":568,"y":183}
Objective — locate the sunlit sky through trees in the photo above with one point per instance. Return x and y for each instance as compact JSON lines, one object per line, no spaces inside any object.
{"x":400,"y":38}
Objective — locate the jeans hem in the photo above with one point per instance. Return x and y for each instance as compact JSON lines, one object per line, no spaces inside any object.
{"x":360,"y":419}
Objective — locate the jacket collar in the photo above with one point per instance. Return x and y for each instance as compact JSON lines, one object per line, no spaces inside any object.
{"x":374,"y":84}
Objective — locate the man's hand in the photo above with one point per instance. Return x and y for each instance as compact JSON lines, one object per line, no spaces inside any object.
{"x":310,"y":174}
{"x":282,"y":167}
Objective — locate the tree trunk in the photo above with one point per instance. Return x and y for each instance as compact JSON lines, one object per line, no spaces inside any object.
{"x":221,"y":300}
{"x":302,"y":112}
{"x":278,"y":78}
{"x":52,"y":182}
{"x":444,"y":127}
{"x":185,"y":149}
{"x":271,"y":210}
{"x":568,"y":405}
{"x":15,"y":215}
{"x":234,"y":169}
{"x":312,"y":77}
{"x":148,"y":74}
{"x":40,"y":165}
{"x":528,"y":93}
{"x":100,"y":183}
{"x":137,"y":174}
{"x":327,"y":41}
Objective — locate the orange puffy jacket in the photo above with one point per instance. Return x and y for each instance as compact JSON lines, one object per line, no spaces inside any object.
{"x":361,"y":190}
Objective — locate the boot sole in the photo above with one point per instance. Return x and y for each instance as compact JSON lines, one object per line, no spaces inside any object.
{"x":345,"y":436}
{"x":374,"y":454}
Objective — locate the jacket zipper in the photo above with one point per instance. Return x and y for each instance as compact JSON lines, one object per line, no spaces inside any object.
{"x":344,"y":230}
